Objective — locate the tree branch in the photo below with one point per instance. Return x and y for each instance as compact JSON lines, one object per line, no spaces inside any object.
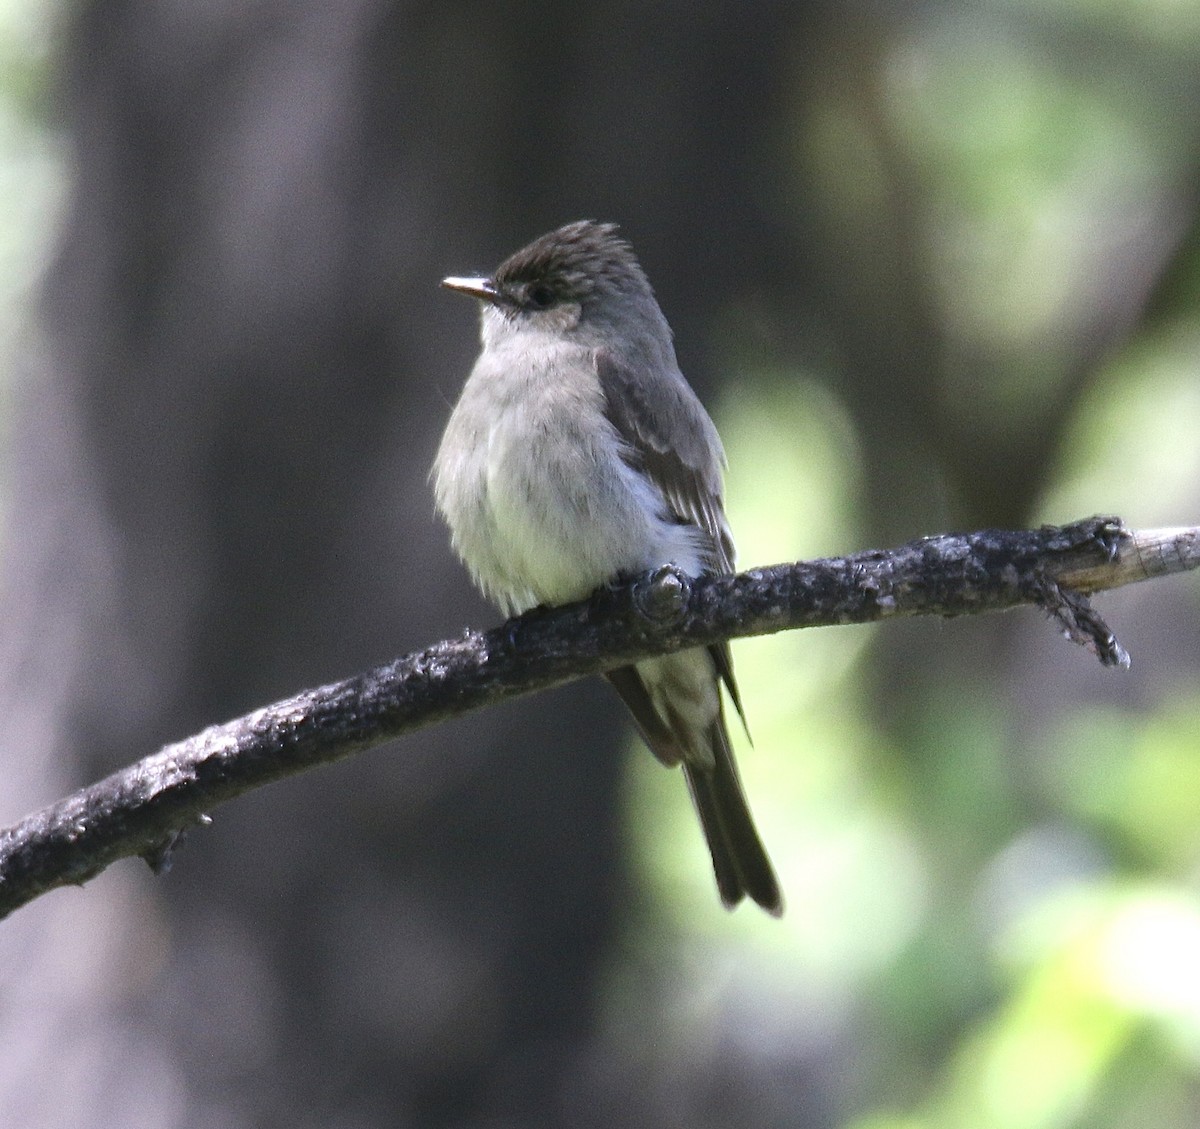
{"x":143,"y":809}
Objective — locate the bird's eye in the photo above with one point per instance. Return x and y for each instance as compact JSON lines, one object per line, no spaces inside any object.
{"x":540,"y":296}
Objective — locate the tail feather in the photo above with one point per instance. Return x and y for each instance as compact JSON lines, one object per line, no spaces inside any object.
{"x":740,"y":860}
{"x":655,"y":732}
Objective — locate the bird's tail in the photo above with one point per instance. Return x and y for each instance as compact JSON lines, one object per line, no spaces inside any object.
{"x":739,"y":858}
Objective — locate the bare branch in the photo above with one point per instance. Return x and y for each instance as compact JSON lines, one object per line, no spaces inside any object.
{"x":143,"y":809}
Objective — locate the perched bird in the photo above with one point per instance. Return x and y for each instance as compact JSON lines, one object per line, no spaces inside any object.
{"x":577,"y":454}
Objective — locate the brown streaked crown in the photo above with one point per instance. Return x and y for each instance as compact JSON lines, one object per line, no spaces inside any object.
{"x":570,"y":264}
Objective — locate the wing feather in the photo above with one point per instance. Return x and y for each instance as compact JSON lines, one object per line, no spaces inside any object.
{"x":673,"y":442}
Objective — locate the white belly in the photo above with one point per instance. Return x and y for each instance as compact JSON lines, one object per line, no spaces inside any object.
{"x":540,"y":504}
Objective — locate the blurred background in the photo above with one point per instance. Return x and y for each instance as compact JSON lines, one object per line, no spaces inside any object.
{"x":931,"y":266}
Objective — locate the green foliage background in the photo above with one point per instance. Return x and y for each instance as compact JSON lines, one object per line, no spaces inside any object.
{"x":999,"y":902}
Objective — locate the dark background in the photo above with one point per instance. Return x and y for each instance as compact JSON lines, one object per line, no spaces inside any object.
{"x":932,"y":266}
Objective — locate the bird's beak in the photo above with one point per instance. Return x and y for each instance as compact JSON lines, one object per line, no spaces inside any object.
{"x":482,"y":288}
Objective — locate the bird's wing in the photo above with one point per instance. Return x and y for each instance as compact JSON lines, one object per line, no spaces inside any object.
{"x":671,"y":440}
{"x":683,"y":458}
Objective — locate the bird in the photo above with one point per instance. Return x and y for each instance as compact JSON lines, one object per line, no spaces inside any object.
{"x":578,"y":455}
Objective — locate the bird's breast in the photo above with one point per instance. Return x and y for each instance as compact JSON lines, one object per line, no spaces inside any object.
{"x":542,"y":505}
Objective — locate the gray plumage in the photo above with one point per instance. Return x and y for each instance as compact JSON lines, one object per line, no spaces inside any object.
{"x":578,"y":453}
